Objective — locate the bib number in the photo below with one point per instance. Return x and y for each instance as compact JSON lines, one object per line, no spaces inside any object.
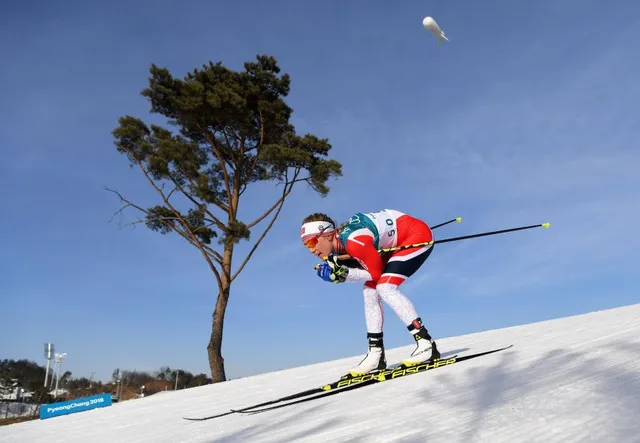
{"x":391,"y":232}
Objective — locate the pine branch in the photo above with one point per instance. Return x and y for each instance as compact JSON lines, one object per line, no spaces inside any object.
{"x":286,"y":191}
{"x":165,"y":221}
{"x":218,"y":203}
{"x":280,"y":201}
{"x":215,"y":219}
{"x":225,"y":173}
{"x":184,"y":223}
{"x":260,"y":144}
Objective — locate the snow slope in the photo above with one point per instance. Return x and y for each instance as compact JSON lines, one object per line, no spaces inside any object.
{"x":575,"y":379}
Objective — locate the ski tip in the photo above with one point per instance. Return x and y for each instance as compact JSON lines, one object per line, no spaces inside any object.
{"x":545,"y":225}
{"x":458,"y":219}
{"x":207,"y":418}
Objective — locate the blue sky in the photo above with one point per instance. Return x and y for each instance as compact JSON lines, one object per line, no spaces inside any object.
{"x":528,"y":114}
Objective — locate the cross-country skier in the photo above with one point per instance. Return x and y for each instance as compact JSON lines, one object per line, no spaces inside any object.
{"x":360,"y":238}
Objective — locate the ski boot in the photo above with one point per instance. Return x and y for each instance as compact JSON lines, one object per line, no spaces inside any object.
{"x":375,"y":359}
{"x":426,"y":349}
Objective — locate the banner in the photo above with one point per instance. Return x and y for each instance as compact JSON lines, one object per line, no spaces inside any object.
{"x":75,"y":405}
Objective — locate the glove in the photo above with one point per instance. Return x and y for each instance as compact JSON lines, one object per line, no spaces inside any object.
{"x":331,"y":271}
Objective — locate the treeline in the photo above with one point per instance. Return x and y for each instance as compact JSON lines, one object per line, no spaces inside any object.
{"x":27,"y":375}
{"x":185,"y":379}
{"x":30,"y":376}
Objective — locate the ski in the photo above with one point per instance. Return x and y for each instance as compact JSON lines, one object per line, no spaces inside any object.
{"x":347,"y":383}
{"x":371,"y":379}
{"x":340,"y":385}
{"x":344,"y":380}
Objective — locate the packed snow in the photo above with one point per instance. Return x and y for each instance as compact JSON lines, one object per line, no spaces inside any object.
{"x":574,"y":379}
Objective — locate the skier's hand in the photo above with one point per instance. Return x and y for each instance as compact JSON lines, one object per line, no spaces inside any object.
{"x":328,"y":272}
{"x":333,"y":259}
{"x":331,"y":271}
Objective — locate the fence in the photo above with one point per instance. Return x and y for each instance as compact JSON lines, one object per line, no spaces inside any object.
{"x":14,"y":409}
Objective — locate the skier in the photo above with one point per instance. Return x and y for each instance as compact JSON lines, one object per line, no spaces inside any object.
{"x":360,"y":238}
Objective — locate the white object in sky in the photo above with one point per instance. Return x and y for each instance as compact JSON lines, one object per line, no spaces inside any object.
{"x":430,"y":24}
{"x":573,"y":379}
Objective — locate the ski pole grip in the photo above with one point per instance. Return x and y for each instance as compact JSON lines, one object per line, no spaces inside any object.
{"x":340,"y":257}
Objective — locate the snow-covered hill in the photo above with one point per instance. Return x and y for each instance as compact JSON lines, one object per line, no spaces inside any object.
{"x":575,"y":379}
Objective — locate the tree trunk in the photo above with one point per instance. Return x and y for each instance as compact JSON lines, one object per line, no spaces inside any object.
{"x":214,"y":348}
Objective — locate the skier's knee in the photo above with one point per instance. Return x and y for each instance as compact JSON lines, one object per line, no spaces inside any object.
{"x":388,"y":283}
{"x":384,"y":287}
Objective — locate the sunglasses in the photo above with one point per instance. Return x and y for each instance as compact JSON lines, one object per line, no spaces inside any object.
{"x":312,"y":241}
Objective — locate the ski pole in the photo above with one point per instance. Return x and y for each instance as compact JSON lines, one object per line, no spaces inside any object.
{"x":457,"y":219}
{"x":445,"y":240}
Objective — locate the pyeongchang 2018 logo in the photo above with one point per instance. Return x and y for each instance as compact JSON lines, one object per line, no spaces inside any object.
{"x":76,"y":405}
